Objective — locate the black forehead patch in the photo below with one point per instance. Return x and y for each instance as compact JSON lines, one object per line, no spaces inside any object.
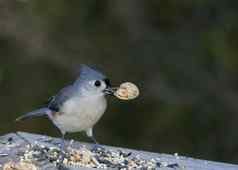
{"x":107,"y":82}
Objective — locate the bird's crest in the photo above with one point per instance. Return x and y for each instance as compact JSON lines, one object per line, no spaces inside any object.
{"x":87,"y":73}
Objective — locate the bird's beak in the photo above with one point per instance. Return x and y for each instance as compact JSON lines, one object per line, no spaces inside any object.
{"x":110,"y":91}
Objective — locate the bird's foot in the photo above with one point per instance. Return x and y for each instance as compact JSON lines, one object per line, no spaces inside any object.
{"x":97,"y":148}
{"x":61,"y":156}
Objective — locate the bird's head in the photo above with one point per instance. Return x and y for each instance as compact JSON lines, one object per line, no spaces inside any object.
{"x":93,"y":82}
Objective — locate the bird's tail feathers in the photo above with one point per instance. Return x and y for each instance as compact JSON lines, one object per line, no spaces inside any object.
{"x":39,"y":112}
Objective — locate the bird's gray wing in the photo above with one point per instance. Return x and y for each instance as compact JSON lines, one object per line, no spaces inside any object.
{"x":55,"y":102}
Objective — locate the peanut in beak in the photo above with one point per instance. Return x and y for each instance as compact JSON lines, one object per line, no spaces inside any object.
{"x":127,"y":91}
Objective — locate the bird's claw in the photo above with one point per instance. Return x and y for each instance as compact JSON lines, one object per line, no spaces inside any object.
{"x":97,"y":148}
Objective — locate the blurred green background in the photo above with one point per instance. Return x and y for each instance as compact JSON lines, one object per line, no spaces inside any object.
{"x":183,"y":55}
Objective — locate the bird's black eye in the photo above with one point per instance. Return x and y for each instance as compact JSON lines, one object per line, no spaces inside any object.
{"x":97,"y":83}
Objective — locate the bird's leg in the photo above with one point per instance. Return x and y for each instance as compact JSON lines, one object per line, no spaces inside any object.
{"x":89,"y":133}
{"x":94,"y":140}
{"x":62,"y":152}
{"x":62,"y":143}
{"x":96,"y":146}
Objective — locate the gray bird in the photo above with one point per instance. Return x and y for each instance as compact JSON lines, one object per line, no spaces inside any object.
{"x":79,"y":106}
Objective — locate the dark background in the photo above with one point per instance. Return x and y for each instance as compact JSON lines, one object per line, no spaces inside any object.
{"x":182,"y":54}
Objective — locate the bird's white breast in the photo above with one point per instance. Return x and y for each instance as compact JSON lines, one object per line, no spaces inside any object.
{"x":78,"y":114}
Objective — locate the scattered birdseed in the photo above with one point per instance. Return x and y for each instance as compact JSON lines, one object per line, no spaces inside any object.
{"x":3,"y":142}
{"x":3,"y":154}
{"x":176,"y":156}
{"x":127,"y":91}
{"x":98,"y":157}
{"x":175,"y":165}
{"x":21,"y":165}
{"x":164,"y":164}
{"x":10,"y":139}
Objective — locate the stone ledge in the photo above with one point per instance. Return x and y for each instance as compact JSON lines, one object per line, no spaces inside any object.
{"x":14,"y":145}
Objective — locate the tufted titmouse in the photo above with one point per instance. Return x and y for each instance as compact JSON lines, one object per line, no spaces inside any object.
{"x":79,"y":106}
